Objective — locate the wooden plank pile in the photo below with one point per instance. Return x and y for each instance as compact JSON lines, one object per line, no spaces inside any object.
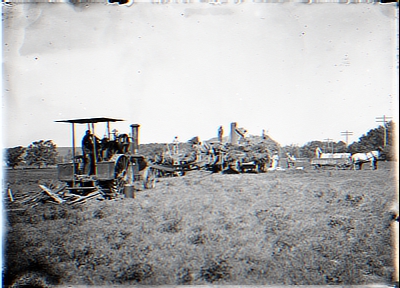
{"x":54,"y":195}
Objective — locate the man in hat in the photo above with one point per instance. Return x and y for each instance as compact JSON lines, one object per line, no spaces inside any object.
{"x":318,"y":152}
{"x":87,"y":143}
{"x":88,"y":152}
{"x":290,"y":160}
{"x":220,"y":134}
{"x":175,"y":145}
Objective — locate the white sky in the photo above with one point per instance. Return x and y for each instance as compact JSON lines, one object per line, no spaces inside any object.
{"x":301,"y":72}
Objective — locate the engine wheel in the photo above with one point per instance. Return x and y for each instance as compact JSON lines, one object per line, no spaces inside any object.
{"x":122,"y":175}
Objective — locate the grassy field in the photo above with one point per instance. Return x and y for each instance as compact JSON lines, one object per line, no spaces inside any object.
{"x":284,"y":227}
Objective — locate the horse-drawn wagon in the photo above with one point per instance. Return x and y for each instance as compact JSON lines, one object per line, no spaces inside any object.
{"x":338,"y":161}
{"x":348,"y":161}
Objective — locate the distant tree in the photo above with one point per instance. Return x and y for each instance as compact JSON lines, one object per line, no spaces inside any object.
{"x":339,"y":147}
{"x":15,"y":156}
{"x":41,"y":153}
{"x":293,"y":149}
{"x":308,"y":150}
{"x":389,"y":150}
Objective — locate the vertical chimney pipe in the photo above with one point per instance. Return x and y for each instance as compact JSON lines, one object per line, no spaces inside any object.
{"x":135,"y":150}
{"x":135,"y":139}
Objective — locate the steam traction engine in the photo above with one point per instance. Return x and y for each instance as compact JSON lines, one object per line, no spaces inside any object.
{"x":112,"y":166}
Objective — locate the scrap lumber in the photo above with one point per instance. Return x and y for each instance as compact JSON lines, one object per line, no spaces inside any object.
{"x":82,"y":199}
{"x":10,"y":195}
{"x":60,"y":189}
{"x":51,"y":194}
{"x":57,"y":196}
{"x":27,"y":199}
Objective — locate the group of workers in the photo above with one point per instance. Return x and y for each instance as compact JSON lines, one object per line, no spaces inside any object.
{"x":105,"y":148}
{"x":291,"y":160}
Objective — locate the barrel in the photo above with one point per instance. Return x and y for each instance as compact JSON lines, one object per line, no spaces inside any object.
{"x":129,"y":191}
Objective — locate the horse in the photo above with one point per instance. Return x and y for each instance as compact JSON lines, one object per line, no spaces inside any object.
{"x":359,"y":159}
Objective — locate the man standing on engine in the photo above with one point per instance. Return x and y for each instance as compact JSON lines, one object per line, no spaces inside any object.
{"x":88,"y":152}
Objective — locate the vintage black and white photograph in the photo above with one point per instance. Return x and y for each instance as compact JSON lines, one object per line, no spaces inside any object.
{"x":182,"y":142}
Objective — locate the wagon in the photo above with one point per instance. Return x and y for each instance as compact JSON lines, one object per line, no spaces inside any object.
{"x":176,"y":169}
{"x":333,"y":163}
{"x":241,"y":162}
{"x":178,"y":164}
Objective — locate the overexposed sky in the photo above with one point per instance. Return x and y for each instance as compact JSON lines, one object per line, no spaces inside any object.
{"x":302,"y":72}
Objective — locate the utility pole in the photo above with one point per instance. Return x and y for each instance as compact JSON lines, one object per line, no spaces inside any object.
{"x":384,"y":119}
{"x":347,"y":134}
{"x":328,"y":140}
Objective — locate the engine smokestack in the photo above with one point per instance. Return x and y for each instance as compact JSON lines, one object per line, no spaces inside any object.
{"x":135,"y":139}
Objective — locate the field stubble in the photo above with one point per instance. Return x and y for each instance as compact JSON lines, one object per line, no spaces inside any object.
{"x":293,"y":227}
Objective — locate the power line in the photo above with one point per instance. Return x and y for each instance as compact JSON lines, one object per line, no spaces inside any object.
{"x":384,"y":119}
{"x":347,"y":134}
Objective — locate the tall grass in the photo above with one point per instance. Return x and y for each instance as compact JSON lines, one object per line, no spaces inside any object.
{"x":292,"y":227}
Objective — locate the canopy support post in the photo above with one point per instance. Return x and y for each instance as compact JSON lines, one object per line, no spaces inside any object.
{"x":73,"y":154}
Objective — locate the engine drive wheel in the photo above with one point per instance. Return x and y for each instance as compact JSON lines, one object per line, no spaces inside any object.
{"x":122,"y":176}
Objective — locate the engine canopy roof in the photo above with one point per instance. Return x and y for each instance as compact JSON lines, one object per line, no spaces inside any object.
{"x":90,"y":120}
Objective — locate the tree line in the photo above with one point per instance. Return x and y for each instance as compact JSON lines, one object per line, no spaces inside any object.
{"x":372,"y":140}
{"x":44,"y":153}
{"x":39,"y":154}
